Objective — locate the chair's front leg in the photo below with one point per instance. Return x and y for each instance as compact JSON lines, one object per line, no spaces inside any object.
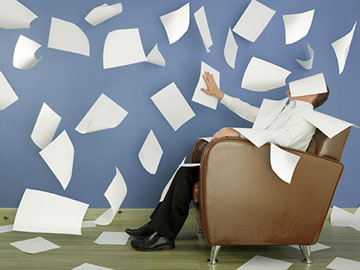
{"x":305,"y":251}
{"x":214,"y":252}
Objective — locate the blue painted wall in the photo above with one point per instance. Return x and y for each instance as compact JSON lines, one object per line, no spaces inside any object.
{"x":70,"y":84}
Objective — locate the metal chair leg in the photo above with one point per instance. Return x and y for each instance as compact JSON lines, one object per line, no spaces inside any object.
{"x":198,"y":230}
{"x":214,"y":252}
{"x":305,"y":251}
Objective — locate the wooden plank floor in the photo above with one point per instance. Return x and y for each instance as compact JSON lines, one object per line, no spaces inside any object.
{"x":191,"y":251}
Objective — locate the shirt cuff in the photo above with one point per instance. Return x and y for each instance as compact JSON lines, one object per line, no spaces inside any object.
{"x":226,"y":100}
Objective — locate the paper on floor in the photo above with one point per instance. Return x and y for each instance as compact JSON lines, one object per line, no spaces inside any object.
{"x":88,"y":224}
{"x":14,"y":15}
{"x":230,"y":49}
{"x":261,"y":76}
{"x":173,"y":106}
{"x":199,"y":96}
{"x":24,"y":53}
{"x":268,"y":112}
{"x":313,"y":248}
{"x":102,"y":13}
{"x":264,"y":263}
{"x":202,"y":23}
{"x":344,"y":264}
{"x":59,"y":156}
{"x":6,"y":228}
{"x":45,"y":126}
{"x":150,"y":153}
{"x":297,"y":25}
{"x":115,"y":195}
{"x":34,"y":245}
{"x":258,"y":136}
{"x":7,"y":94}
{"x":342,"y":218}
{"x":314,"y":84}
{"x":155,"y":57}
{"x":44,"y":212}
{"x":112,"y":238}
{"x":176,"y":23}
{"x":341,"y":48}
{"x":253,"y":21}
{"x":104,"y":114}
{"x":329,"y":125}
{"x":88,"y":266}
{"x":307,"y":64}
{"x":123,"y":47}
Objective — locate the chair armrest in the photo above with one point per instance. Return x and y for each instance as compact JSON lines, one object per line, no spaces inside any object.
{"x":197,"y":151}
{"x":242,"y":199}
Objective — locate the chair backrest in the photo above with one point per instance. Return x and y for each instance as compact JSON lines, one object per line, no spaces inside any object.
{"x":332,"y":148}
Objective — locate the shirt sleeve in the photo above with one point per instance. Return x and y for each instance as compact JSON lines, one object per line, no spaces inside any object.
{"x":241,"y":108}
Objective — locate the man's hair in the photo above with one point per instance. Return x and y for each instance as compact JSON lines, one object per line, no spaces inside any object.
{"x":321,"y":98}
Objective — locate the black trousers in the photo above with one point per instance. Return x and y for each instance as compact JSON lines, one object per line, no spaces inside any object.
{"x":169,"y":216}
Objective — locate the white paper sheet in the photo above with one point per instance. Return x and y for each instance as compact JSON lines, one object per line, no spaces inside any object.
{"x":155,"y":57}
{"x":264,"y":263}
{"x":258,"y":136}
{"x":357,"y":212}
{"x":102,"y":13}
{"x":307,"y":64}
{"x":344,"y":264}
{"x":230,"y":49}
{"x":314,"y":84}
{"x":253,"y":21}
{"x":283,"y":163}
{"x":268,"y":112}
{"x":115,"y":194}
{"x":208,"y":139}
{"x":199,"y":96}
{"x":14,"y":15}
{"x":329,"y":125}
{"x":176,"y":23}
{"x":34,"y":245}
{"x":7,"y":94}
{"x":88,"y":224}
{"x":297,"y":25}
{"x":104,"y":114}
{"x":24,"y":53}
{"x":341,"y":48}
{"x":166,"y":188}
{"x":6,"y":228}
{"x":45,"y":212}
{"x":150,"y":153}
{"x":173,"y":106}
{"x":112,"y":238}
{"x":313,"y":248}
{"x":123,"y":47}
{"x":45,"y":126}
{"x":261,"y":76}
{"x":67,"y":36}
{"x":59,"y":156}
{"x":88,"y":266}
{"x":202,"y":23}
{"x":342,"y":218}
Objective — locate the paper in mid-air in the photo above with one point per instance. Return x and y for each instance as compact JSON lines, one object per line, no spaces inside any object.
{"x":342,"y":218}
{"x":155,"y":57}
{"x":230,"y":49}
{"x":173,"y":106}
{"x":123,"y":47}
{"x":59,"y":156}
{"x":268,"y":112}
{"x":7,"y":94}
{"x":45,"y":126}
{"x":89,"y":266}
{"x":201,"y":97}
{"x":44,"y":212}
{"x":115,"y":194}
{"x":112,"y":238}
{"x":24,"y":53}
{"x":102,"y":13}
{"x":261,"y":76}
{"x":150,"y":153}
{"x":258,"y":136}
{"x":307,"y":64}
{"x":341,"y":48}
{"x":104,"y":114}
{"x":314,"y":84}
{"x":344,"y":264}
{"x":14,"y":15}
{"x":253,"y":21}
{"x":202,"y":23}
{"x":297,"y":25}
{"x":260,"y":262}
{"x":34,"y":245}
{"x":176,"y":23}
{"x":67,"y":36}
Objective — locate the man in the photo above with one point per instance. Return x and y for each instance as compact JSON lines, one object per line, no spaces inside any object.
{"x":170,"y":215}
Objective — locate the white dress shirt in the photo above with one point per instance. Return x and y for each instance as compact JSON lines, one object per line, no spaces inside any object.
{"x":294,"y":131}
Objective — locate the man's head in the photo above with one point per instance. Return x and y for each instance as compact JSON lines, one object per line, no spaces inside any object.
{"x":316,"y":99}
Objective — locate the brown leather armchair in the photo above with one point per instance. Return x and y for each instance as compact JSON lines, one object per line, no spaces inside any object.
{"x":241,"y":201}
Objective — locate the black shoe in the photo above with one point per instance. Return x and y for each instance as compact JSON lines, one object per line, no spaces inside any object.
{"x":153,"y":242}
{"x":140,"y":232}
